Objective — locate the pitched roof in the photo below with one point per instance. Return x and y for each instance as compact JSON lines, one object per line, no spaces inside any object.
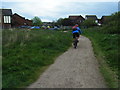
{"x":105,"y":17}
{"x":15,"y":14}
{"x":75,"y":17}
{"x":91,"y":16}
{"x":6,"y":11}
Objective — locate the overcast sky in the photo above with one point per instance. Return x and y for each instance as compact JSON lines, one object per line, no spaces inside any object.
{"x":49,"y":10}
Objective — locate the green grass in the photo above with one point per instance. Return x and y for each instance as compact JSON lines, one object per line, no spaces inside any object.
{"x":106,"y":50}
{"x":25,"y":53}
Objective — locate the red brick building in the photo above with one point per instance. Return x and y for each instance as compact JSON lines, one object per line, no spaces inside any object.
{"x":18,"y":20}
{"x":28,"y":22}
{"x":76,"y":19}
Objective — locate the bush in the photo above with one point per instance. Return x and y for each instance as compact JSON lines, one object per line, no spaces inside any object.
{"x":89,"y":23}
{"x":112,"y":26}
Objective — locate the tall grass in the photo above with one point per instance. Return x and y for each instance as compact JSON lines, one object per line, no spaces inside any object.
{"x":106,"y":50}
{"x":25,"y":53}
{"x":112,"y":25}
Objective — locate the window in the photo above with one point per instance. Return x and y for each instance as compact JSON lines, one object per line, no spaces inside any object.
{"x":7,"y":19}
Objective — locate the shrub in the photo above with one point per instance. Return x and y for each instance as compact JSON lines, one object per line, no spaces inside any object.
{"x":89,"y":23}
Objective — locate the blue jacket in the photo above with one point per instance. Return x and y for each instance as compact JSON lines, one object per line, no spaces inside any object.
{"x":78,"y":30}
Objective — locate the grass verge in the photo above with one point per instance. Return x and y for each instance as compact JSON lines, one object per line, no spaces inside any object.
{"x":25,"y":53}
{"x":105,"y":47}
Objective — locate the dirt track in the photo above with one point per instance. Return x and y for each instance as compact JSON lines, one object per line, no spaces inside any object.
{"x":76,"y":68}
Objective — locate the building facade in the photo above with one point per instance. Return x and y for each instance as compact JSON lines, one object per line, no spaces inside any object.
{"x":76,"y":19}
{"x":5,"y":18}
{"x":18,"y":21}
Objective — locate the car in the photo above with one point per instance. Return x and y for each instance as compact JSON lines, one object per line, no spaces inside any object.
{"x":35,"y":27}
{"x":43,"y":27}
{"x":55,"y":28}
{"x":51,"y":29}
{"x":23,"y":26}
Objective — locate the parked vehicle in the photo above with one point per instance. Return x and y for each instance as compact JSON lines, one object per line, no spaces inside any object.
{"x":55,"y":28}
{"x":27,"y":27}
{"x":43,"y":27}
{"x":23,"y":26}
{"x":35,"y":27}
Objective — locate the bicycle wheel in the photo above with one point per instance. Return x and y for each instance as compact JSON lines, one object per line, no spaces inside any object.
{"x":75,"y":43}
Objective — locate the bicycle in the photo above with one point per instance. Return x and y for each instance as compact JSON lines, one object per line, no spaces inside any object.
{"x":75,"y":42}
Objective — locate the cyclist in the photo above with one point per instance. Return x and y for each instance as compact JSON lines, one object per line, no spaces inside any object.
{"x":76,"y":31}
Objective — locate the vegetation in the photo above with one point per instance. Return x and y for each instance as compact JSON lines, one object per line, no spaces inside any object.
{"x":37,"y":21}
{"x":112,"y":25}
{"x":64,"y":22}
{"x":105,"y":42}
{"x":89,"y":23}
{"x":25,"y":53}
{"x":106,"y":50}
{"x":60,"y":21}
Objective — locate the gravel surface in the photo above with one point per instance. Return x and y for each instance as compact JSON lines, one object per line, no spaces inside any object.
{"x":76,"y":68}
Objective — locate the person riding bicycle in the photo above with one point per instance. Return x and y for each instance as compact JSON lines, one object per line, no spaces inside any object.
{"x":76,"y":31}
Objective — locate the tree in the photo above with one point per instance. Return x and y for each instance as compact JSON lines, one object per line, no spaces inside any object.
{"x":67,"y":22}
{"x":59,"y":21}
{"x":37,"y":21}
{"x":89,"y":23}
{"x":64,"y":22}
{"x":54,"y":23}
{"x":112,"y":26}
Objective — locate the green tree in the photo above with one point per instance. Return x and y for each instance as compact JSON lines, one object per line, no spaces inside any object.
{"x":67,"y":22}
{"x":54,"y":23}
{"x":112,"y":26}
{"x":59,"y":21}
{"x":37,"y":21}
{"x":64,"y":22}
{"x":89,"y":23}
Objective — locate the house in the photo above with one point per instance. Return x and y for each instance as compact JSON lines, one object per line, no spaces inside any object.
{"x":29,"y":22}
{"x":5,"y":18}
{"x":104,"y":19}
{"x":92,"y":17}
{"x":99,"y":22}
{"x":18,"y":20}
{"x":76,"y":19}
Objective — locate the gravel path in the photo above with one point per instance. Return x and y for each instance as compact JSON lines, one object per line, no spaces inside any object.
{"x":76,"y":68}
